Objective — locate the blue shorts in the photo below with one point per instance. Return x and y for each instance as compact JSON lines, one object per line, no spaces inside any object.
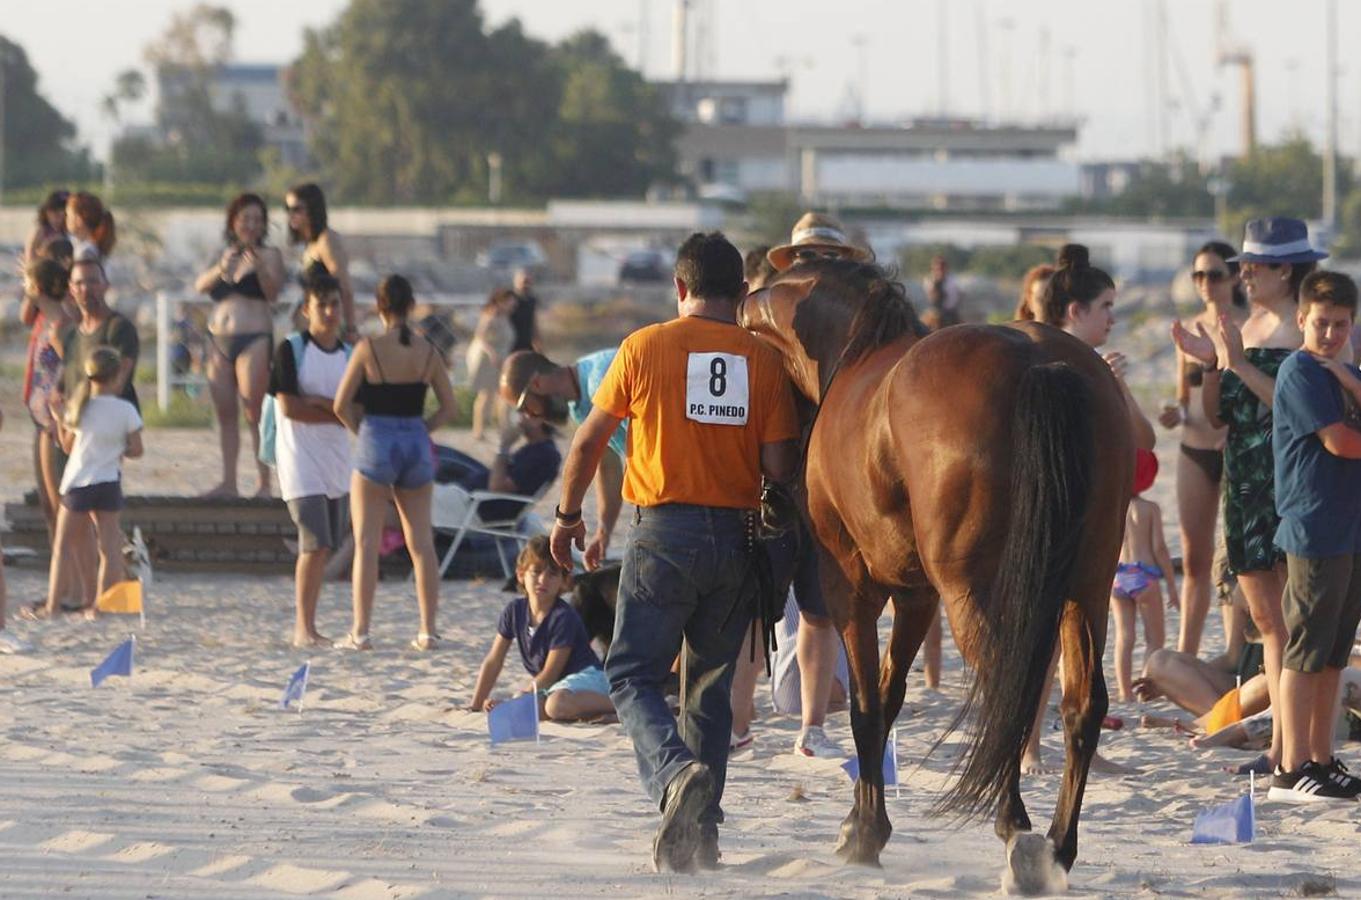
{"x":395,"y":451}
{"x":590,"y":680}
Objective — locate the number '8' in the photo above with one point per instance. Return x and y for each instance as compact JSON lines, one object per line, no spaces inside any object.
{"x":718,"y":376}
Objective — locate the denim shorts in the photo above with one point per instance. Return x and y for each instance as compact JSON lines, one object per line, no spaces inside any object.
{"x":395,"y":451}
{"x":590,"y":680}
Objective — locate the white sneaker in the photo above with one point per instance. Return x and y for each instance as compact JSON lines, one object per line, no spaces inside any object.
{"x":11,"y":643}
{"x":814,"y":742}
{"x":741,"y":742}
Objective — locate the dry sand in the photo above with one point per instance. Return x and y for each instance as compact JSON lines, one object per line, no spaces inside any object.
{"x":188,"y":781}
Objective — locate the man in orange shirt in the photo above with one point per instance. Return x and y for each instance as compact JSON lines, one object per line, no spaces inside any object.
{"x":710,"y":411}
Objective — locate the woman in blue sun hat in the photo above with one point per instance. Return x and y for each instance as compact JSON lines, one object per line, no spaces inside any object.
{"x":1240,"y":374}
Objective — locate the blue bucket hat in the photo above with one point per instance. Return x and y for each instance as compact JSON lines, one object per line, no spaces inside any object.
{"x":1277,"y":239}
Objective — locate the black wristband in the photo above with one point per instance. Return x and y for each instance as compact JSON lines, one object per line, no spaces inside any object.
{"x":567,"y":520}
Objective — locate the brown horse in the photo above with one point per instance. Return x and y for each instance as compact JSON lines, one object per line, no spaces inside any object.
{"x":986,"y":466}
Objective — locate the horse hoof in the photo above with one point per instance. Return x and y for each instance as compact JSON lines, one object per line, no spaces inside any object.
{"x":1032,"y":870}
{"x":855,"y":849}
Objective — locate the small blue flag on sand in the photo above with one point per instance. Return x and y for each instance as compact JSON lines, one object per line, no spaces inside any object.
{"x":852,"y":765}
{"x":297,"y":686}
{"x":515,"y":720}
{"x":119,"y":662}
{"x":1231,"y":823}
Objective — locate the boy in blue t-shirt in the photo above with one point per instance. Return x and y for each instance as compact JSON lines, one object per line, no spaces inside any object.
{"x":1318,"y":495}
{"x":552,"y":640}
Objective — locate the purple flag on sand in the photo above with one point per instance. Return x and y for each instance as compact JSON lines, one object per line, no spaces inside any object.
{"x":119,"y":662}
{"x":297,"y":686}
{"x":852,"y":765}
{"x":1230,"y":823}
{"x":515,"y":720}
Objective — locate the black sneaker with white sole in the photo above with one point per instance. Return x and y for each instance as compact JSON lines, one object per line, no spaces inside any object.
{"x":1350,"y":784}
{"x":1310,"y":783}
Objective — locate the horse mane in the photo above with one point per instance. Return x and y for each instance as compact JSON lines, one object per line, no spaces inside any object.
{"x":881,"y":312}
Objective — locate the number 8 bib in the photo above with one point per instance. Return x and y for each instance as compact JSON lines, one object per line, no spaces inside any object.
{"x":716,"y":389}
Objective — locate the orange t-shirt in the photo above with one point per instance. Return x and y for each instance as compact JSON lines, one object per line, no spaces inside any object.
{"x":703,"y":396}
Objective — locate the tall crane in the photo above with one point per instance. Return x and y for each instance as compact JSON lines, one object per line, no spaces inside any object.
{"x":1228,"y":53}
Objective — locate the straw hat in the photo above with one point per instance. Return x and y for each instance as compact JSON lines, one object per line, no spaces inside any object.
{"x":815,"y":231}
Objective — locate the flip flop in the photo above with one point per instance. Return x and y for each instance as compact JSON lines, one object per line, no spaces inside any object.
{"x":34,"y":612}
{"x":425,"y":642}
{"x":353,"y":641}
{"x":1112,"y":723}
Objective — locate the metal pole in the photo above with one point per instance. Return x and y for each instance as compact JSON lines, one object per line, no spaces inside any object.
{"x":163,"y":350}
{"x":1330,"y":146}
{"x":4,"y":59}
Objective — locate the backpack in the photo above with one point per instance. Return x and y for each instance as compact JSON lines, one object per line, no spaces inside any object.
{"x":269,"y":416}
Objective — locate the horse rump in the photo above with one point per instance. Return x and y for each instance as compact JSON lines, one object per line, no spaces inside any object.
{"x":1052,"y":451}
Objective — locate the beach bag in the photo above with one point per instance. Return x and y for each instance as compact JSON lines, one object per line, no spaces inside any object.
{"x":269,"y":416}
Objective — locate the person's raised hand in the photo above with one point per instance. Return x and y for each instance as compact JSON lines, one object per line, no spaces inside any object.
{"x":561,"y":541}
{"x":1339,"y":370}
{"x":1118,"y":362}
{"x":1171,"y":416}
{"x":1229,"y":342}
{"x":1199,"y":345}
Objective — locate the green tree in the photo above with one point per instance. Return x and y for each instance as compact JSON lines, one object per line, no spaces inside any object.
{"x":407,"y":99}
{"x":199,"y":137}
{"x":1159,"y":190}
{"x":39,"y":142}
{"x":613,"y":136}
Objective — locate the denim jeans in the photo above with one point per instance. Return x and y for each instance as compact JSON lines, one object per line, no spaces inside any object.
{"x":686,"y":573}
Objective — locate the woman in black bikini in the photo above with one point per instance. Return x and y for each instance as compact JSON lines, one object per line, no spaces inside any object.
{"x":323,"y":249}
{"x":1200,"y":462}
{"x":243,"y":283}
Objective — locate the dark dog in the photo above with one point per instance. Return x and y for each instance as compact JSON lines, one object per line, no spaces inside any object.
{"x":594,"y":597}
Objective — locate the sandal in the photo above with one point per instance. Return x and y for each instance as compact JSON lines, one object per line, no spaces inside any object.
{"x":425,"y":642}
{"x":353,"y":641}
{"x":36,"y":611}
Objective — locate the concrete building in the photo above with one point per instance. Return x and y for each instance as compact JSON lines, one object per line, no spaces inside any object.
{"x":737,"y":142}
{"x":261,"y":93}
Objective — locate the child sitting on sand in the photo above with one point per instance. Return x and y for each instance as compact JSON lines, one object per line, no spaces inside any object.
{"x":1144,"y":561}
{"x":552,"y":640}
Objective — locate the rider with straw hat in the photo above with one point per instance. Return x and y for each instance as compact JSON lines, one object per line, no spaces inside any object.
{"x":817,"y":236}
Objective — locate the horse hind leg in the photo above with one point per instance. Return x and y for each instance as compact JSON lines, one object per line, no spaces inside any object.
{"x":913,"y":612}
{"x":866,"y":829}
{"x":1085,"y":702}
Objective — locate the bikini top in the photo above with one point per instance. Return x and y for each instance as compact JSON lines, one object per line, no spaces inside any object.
{"x":248,"y":286}
{"x":392,"y":398}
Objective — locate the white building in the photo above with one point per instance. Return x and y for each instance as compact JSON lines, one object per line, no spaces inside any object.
{"x":737,"y":142}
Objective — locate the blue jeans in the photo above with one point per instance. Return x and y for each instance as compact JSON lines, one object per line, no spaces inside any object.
{"x":686,"y":573}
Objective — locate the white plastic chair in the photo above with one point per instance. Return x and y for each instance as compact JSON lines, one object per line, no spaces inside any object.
{"x":460,"y":512}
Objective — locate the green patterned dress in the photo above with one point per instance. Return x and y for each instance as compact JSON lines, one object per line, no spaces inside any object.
{"x":1250,"y":518}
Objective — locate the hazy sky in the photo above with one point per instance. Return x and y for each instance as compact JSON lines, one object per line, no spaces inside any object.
{"x":1099,"y":63}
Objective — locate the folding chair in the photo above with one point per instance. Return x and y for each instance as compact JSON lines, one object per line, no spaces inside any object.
{"x":459,"y":512}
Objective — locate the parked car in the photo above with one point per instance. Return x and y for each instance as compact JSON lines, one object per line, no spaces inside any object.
{"x":646,"y":265}
{"x":506,"y":256}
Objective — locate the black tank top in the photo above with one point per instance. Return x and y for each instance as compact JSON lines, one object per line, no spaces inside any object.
{"x":248,"y":286}
{"x":392,"y":398}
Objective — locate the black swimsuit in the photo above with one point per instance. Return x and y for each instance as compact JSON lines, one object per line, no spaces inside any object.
{"x":247,"y":286}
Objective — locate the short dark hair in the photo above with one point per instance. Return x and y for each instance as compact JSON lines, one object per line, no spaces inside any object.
{"x":314,"y":201}
{"x":756,"y":267}
{"x":52,"y":278}
{"x":320,"y":285}
{"x":91,"y":261}
{"x":710,"y":266}
{"x":1332,"y":288}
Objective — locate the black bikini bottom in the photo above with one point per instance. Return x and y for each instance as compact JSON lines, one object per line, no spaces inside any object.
{"x":1211,"y":462}
{"x":236,"y":344}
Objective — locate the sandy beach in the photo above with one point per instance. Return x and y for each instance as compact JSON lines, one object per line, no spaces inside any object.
{"x":187,"y":780}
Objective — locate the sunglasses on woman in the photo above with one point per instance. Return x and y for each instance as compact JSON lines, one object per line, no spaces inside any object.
{"x":1214,"y":276}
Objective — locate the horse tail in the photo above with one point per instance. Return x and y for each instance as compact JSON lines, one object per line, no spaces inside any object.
{"x":1052,"y":454}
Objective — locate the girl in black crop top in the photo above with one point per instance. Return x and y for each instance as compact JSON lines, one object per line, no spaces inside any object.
{"x":381,"y":399}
